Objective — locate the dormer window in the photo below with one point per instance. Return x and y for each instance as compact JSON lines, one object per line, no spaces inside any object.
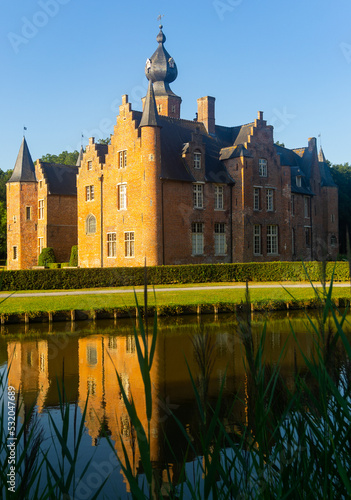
{"x":90,"y":165}
{"x":197,"y":160}
{"x":298,"y":181}
{"x":262,"y":167}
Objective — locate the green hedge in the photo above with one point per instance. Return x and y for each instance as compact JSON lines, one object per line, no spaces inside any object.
{"x":201,"y":273}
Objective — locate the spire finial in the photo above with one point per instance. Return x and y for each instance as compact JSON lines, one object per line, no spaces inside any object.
{"x":24,"y":131}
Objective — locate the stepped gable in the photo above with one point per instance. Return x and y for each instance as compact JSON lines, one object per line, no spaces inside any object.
{"x":61,"y":179}
{"x":299,"y":161}
{"x":24,"y":170}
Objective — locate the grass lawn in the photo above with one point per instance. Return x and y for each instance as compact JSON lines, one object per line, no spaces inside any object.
{"x":177,"y":297}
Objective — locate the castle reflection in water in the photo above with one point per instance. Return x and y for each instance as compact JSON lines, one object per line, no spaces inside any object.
{"x":87,"y":362}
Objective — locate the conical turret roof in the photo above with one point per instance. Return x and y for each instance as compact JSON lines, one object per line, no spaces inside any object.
{"x":24,"y":170}
{"x":150,"y":115}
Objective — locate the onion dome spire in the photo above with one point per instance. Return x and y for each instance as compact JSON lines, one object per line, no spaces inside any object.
{"x":24,"y":170}
{"x":161,"y":68}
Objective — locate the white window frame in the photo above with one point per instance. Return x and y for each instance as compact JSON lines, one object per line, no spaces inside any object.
{"x":41,"y":206}
{"x":111,"y":245}
{"x":122,"y":196}
{"x":262,"y":167}
{"x":122,"y":158}
{"x":89,"y":193}
{"x":198,"y":195}
{"x":220,"y":239}
{"x":257,"y":239}
{"x":272,"y":239}
{"x":89,"y":165}
{"x":270,"y":200}
{"x":197,"y":238}
{"x":257,"y":199}
{"x":129,"y":244}
{"x":197,"y":160}
{"x":219,"y":198}
{"x":40,"y":244}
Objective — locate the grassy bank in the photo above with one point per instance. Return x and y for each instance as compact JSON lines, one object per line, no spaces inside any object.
{"x":270,"y":298}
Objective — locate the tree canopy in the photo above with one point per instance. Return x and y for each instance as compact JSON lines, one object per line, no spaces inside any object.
{"x":342,"y":178}
{"x":64,"y":158}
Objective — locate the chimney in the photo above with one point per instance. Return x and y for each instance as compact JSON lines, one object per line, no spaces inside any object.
{"x":312,"y":143}
{"x":206,"y":113}
{"x":91,"y":141}
{"x":260,"y":115}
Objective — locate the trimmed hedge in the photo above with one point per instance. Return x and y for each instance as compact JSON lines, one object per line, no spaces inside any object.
{"x":200,"y":273}
{"x":73,"y":261}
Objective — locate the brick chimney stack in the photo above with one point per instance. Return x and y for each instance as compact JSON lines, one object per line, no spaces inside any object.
{"x":206,"y":113}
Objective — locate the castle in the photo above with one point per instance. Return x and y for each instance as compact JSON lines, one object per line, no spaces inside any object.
{"x":174,"y":191}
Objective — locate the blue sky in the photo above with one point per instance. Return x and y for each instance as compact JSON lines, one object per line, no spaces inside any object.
{"x":66,"y":63}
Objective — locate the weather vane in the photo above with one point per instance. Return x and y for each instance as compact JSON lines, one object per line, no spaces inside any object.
{"x":159,"y":19}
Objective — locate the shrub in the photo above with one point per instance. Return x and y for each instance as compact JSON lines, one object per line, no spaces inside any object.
{"x":200,"y":273}
{"x":54,"y":265}
{"x":47,"y":256}
{"x":73,"y":261}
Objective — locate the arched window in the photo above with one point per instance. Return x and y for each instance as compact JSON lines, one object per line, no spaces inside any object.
{"x":90,"y":224}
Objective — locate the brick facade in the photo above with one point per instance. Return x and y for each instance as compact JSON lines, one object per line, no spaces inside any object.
{"x":175,"y":191}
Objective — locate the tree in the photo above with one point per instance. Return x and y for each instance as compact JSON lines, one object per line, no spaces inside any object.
{"x":3,"y":230}
{"x":4,"y":177}
{"x":342,"y":178}
{"x":105,"y":141}
{"x":64,"y":158}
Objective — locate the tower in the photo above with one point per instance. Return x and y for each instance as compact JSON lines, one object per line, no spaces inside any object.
{"x":161,"y":70}
{"x":151,"y":190}
{"x":22,"y":216}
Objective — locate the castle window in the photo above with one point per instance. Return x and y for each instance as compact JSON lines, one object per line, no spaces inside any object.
{"x":272,"y":239}
{"x":298,"y":181}
{"x":269,"y":200}
{"x":306,"y":206}
{"x":111,"y":244}
{"x":92,"y":357}
{"x":90,"y":165}
{"x":220,"y":243}
{"x":89,"y":193}
{"x":333,"y":240}
{"x":91,"y":386}
{"x":122,"y":159}
{"x":197,"y":229}
{"x":28,"y":213}
{"x":219,"y":198}
{"x":14,"y":219}
{"x":41,"y":209}
{"x":332,"y":218}
{"x":130,"y":345}
{"x":257,"y":198}
{"x":40,"y":245}
{"x":122,"y":197}
{"x":308,"y":236}
{"x":173,"y":108}
{"x":90,"y":224}
{"x":159,"y":108}
{"x":197,"y":159}
{"x":40,"y":184}
{"x":112,"y":343}
{"x":292,"y":204}
{"x":262,"y":167}
{"x":14,"y":253}
{"x":129,"y":244}
{"x":198,"y":196}
{"x":257,"y":239}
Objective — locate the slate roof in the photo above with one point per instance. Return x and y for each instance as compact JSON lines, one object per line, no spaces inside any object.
{"x":150,"y":115}
{"x":299,"y":166}
{"x":24,"y":170}
{"x":61,"y":179}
